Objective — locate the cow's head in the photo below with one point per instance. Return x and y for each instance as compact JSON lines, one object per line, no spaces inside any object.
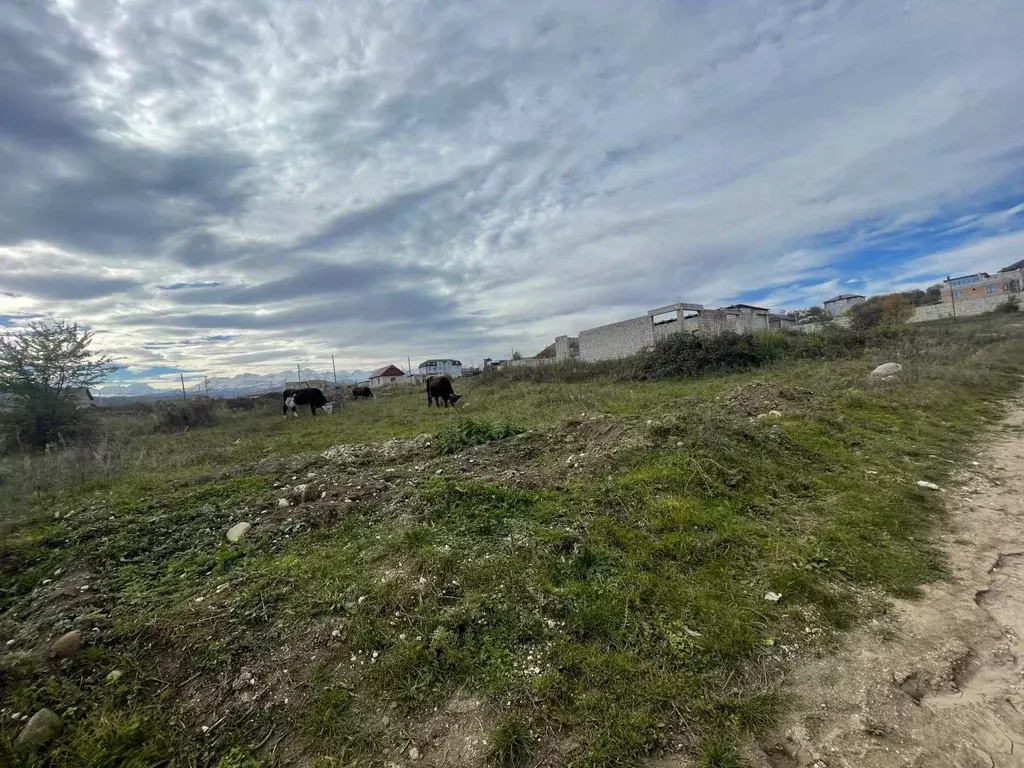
{"x":329,"y":408}
{"x":289,"y":403}
{"x":455,"y":398}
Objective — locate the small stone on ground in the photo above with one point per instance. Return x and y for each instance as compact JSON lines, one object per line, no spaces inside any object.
{"x":43,"y":727}
{"x":237,"y":531}
{"x":67,"y":645}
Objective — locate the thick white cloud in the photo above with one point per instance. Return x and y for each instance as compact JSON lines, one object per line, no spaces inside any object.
{"x":379,"y":179}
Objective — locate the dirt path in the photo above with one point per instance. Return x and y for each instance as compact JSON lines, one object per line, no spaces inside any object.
{"x":938,"y":682}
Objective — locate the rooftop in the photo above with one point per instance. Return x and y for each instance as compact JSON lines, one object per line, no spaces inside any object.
{"x":388,"y":370}
{"x":1014,"y":266}
{"x":844,"y":296}
{"x":746,"y":306}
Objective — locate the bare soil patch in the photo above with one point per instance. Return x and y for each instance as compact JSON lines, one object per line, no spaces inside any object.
{"x":936,"y":682}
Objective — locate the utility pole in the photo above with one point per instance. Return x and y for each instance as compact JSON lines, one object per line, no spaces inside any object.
{"x":333,"y":368}
{"x":298,"y":373}
{"x":408,"y":365}
{"x":182,"y":375}
{"x":952,"y":298}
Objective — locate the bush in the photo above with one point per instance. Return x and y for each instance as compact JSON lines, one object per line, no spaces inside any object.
{"x":177,"y":417}
{"x":463,"y":434}
{"x":892,"y":310}
{"x":35,"y":423}
{"x":686,"y":354}
{"x":1011,"y":305}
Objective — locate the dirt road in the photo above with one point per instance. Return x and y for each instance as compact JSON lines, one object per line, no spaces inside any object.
{"x":938,"y":682}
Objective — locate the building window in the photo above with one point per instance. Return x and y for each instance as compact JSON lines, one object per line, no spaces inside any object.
{"x":990,"y":289}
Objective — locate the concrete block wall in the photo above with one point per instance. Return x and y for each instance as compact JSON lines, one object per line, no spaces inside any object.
{"x":746,"y":322}
{"x":617,"y":340}
{"x":567,"y":348}
{"x":661,"y":330}
{"x":713,"y":322}
{"x":964,"y":308}
{"x":530,"y":362}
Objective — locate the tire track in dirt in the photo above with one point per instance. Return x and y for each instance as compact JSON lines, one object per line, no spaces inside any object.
{"x":937,"y":682}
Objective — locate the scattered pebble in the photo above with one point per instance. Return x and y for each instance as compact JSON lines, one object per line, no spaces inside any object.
{"x":772,"y":597}
{"x":929,"y":486}
{"x":283,"y":503}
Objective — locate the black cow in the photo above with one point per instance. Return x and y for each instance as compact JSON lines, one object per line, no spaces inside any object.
{"x":311,"y":396}
{"x":440,"y":388}
{"x":362,"y":392}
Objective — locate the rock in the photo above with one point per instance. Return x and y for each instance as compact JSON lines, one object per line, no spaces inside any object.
{"x":887,"y":369}
{"x":772,"y":597}
{"x":414,"y":754}
{"x":237,"y":531}
{"x":929,"y":486}
{"x":67,"y":645}
{"x":113,"y":676}
{"x":283,"y":503}
{"x":43,"y":727}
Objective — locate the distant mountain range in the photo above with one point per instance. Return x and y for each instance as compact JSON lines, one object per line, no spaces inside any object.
{"x":227,"y":386}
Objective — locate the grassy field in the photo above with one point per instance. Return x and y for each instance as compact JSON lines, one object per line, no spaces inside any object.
{"x":584,"y":584}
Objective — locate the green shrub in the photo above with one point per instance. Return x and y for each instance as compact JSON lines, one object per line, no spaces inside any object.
{"x":463,"y":434}
{"x":176,"y":417}
{"x":1011,"y":305}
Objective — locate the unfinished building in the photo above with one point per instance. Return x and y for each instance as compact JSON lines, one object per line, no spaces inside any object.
{"x":628,"y":337}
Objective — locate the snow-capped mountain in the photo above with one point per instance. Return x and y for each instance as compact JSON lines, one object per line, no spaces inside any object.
{"x":225,"y":386}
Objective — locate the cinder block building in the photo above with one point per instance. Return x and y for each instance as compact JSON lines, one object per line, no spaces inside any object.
{"x":839,"y":305}
{"x":981,"y":285}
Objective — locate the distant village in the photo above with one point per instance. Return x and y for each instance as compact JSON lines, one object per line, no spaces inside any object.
{"x":962,"y":296}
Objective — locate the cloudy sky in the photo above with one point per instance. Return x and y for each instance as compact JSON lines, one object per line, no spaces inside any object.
{"x":220,"y":186}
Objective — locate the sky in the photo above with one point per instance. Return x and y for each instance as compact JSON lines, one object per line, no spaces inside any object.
{"x":226,"y":186}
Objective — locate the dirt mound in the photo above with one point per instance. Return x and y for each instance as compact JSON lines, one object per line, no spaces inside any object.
{"x":390,"y":450}
{"x":757,"y":397}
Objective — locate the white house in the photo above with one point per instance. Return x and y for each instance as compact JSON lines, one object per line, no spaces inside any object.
{"x":452,"y":368}
{"x":389,"y":374}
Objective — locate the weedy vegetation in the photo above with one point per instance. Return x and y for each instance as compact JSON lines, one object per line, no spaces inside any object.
{"x":587,"y":588}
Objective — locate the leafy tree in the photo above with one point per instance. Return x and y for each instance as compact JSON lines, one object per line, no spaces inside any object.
{"x":43,"y":367}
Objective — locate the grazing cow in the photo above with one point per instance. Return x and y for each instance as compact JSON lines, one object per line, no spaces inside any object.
{"x":362,"y":392}
{"x":440,"y":388}
{"x":314,"y":398}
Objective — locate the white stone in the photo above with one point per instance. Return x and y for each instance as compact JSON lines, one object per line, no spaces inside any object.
{"x":283,"y":503}
{"x":772,"y":597}
{"x":929,"y":486}
{"x":887,"y":369}
{"x":237,"y":531}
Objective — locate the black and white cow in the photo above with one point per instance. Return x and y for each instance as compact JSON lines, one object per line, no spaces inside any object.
{"x":440,"y":388}
{"x":314,"y":398}
{"x":362,"y":392}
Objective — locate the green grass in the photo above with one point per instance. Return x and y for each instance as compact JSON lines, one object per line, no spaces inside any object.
{"x":454,"y":438}
{"x":604,"y":612}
